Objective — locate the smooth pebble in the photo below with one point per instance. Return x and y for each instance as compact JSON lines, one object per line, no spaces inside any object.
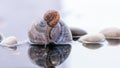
{"x":92,"y":38}
{"x":111,"y":33}
{"x":77,"y":33}
{"x":10,"y":41}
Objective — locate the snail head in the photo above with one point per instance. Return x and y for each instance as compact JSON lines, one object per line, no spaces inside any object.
{"x":52,"y":17}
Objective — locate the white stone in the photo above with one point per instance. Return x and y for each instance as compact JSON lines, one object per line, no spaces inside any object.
{"x":10,"y":41}
{"x":111,"y":32}
{"x":92,"y":38}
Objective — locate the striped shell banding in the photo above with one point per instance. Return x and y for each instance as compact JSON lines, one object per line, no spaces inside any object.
{"x":52,"y":17}
{"x":49,"y":29}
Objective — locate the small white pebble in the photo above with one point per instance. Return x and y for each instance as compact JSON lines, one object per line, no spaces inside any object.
{"x":9,"y":41}
{"x":111,"y":32}
{"x":92,"y":38}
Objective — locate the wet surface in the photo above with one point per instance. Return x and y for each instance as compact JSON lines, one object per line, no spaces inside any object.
{"x":60,"y":55}
{"x":16,"y":16}
{"x":51,"y":55}
{"x":28,"y":55}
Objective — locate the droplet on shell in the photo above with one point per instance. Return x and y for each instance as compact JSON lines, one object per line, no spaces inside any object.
{"x":77,"y":33}
{"x":10,"y":41}
{"x":92,"y":38}
{"x":52,"y":17}
{"x":111,"y":33}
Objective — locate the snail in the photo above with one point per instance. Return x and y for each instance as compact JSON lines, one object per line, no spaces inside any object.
{"x":49,"y":29}
{"x":50,"y":56}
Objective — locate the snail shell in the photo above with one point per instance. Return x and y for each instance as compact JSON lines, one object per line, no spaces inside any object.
{"x":60,"y":33}
{"x":37,"y":32}
{"x":50,"y":29}
{"x":52,"y":17}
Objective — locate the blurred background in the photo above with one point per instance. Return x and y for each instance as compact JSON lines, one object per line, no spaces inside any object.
{"x":16,"y":16}
{"x":90,"y":15}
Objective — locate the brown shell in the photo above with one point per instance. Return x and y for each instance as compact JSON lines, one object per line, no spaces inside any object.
{"x":52,"y":17}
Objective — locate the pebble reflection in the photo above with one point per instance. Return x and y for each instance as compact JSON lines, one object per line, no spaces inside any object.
{"x":93,"y":46}
{"x":113,"y":42}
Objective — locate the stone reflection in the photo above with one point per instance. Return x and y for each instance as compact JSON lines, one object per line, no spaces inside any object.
{"x":13,"y":48}
{"x":113,"y":42}
{"x":49,"y":56}
{"x":93,"y":46}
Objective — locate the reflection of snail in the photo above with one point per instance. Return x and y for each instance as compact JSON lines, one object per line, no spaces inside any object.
{"x":49,"y":29}
{"x":51,"y":55}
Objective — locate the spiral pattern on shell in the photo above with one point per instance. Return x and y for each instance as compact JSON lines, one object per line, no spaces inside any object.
{"x":37,"y":32}
{"x":52,"y":17}
{"x":41,"y":31}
